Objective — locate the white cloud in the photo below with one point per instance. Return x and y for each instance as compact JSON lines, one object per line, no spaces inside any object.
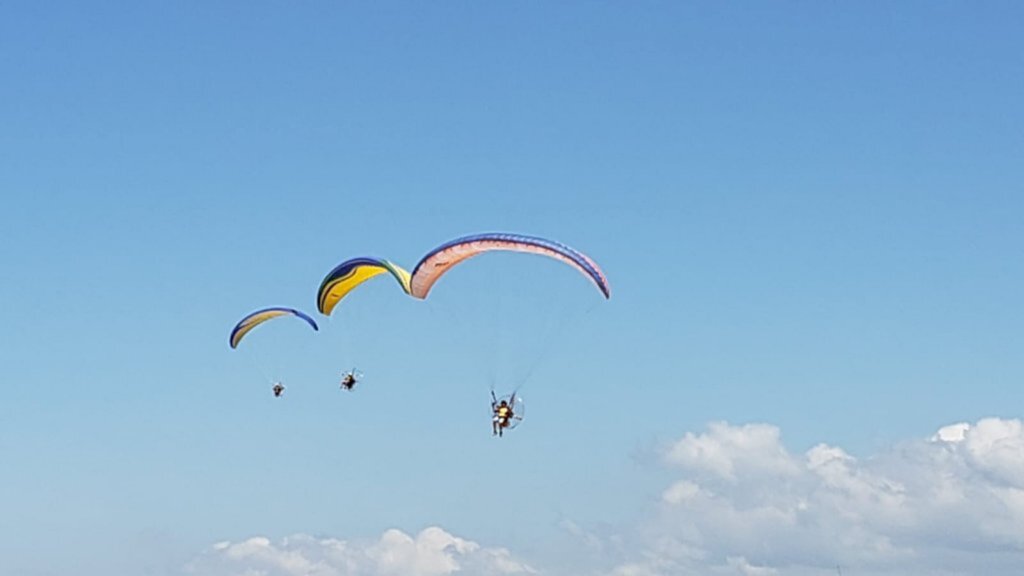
{"x":432,"y":552}
{"x":730,"y":451}
{"x":744,"y":504}
{"x":996,"y":448}
{"x":741,"y":566}
{"x":680,"y":492}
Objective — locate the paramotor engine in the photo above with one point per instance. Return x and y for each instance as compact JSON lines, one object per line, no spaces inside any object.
{"x":516,"y":403}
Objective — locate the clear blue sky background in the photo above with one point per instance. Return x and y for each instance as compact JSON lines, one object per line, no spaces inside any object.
{"x":810,"y":214}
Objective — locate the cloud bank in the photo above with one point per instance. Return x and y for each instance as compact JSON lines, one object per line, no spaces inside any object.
{"x":741,"y":504}
{"x":432,"y":552}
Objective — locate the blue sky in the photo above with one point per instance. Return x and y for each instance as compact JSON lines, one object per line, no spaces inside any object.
{"x":810,"y":215}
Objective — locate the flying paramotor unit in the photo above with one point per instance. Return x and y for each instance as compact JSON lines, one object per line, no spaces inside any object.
{"x":447,"y":256}
{"x":257,"y":318}
{"x":338,"y":284}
